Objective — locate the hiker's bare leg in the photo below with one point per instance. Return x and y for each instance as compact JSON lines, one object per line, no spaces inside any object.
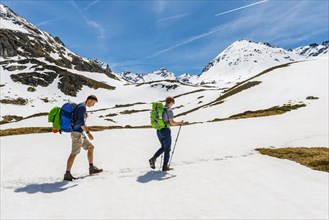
{"x":91,"y":154}
{"x":70,"y":161}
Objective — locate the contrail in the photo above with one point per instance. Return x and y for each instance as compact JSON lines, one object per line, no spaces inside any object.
{"x":46,"y":22}
{"x":246,"y":6}
{"x":189,"y":40}
{"x":172,"y":17}
{"x":91,"y":23}
{"x":91,"y":4}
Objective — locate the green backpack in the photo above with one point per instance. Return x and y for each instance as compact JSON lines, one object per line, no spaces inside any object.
{"x":156,"y":116}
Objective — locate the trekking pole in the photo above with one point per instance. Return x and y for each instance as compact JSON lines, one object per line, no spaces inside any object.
{"x":174,"y":146}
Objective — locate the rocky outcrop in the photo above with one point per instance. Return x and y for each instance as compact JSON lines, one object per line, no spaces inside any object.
{"x":34,"y":78}
{"x":44,"y":74}
{"x":58,"y":40}
{"x":13,"y":43}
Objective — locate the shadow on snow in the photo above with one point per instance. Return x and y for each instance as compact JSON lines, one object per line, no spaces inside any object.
{"x":154,"y":175}
{"x":45,"y":187}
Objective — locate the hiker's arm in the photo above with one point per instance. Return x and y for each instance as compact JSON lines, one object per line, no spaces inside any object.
{"x":173,"y":123}
{"x":85,"y":129}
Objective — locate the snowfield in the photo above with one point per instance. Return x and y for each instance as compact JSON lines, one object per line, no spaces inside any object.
{"x":218,"y":174}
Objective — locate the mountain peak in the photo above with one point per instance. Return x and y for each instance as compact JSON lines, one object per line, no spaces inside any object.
{"x":243,"y":59}
{"x":163,"y":72}
{"x":313,"y":50}
{"x":5,"y":11}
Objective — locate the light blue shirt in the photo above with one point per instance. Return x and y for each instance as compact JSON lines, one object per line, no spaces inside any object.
{"x":167,"y":114}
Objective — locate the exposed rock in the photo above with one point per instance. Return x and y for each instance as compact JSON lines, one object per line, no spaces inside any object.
{"x":34,"y":78}
{"x":31,"y":89}
{"x":58,"y":40}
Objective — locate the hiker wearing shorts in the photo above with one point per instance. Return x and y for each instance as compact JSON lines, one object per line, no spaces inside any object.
{"x":79,"y":139}
{"x":164,"y":135}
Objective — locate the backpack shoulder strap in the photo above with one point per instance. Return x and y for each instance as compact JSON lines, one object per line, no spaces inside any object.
{"x":165,"y":110}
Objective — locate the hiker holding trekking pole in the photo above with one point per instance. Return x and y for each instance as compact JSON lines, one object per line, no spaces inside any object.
{"x":162,"y":117}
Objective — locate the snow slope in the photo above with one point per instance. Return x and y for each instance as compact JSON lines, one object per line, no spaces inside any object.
{"x":218,"y":174}
{"x":287,"y":85}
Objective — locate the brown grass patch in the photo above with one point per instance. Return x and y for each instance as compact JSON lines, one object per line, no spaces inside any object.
{"x":34,"y":130}
{"x":18,"y":101}
{"x":31,"y":130}
{"x":10,"y":118}
{"x":129,"y":105}
{"x":128,"y":112}
{"x":316,"y":158}
{"x":276,"y":110}
{"x":111,"y":115}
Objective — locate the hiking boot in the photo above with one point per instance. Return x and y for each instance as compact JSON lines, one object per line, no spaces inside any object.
{"x":68,"y":177}
{"x":152,"y":162}
{"x":166,"y":168}
{"x":94,"y":169}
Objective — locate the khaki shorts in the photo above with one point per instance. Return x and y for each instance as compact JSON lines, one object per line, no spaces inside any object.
{"x":79,"y":140}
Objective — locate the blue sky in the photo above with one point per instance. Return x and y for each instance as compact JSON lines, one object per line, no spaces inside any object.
{"x":183,"y":36}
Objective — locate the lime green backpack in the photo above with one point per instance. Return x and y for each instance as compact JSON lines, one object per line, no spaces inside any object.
{"x":156,"y":116}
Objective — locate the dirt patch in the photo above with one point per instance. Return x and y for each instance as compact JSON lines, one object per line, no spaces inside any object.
{"x":316,"y":158}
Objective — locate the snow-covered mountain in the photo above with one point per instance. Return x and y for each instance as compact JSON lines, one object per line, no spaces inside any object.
{"x":313,"y":50}
{"x":158,"y":75}
{"x":244,"y":59}
{"x":188,"y":78}
{"x":241,"y":60}
{"x":42,"y":58}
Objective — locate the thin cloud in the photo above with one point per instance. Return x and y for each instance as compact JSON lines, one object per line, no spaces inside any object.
{"x":172,"y":17}
{"x":246,"y":6}
{"x":91,"y":23}
{"x":91,"y":4}
{"x":287,"y":23}
{"x":189,"y":40}
{"x":46,"y":22}
{"x":160,"y":5}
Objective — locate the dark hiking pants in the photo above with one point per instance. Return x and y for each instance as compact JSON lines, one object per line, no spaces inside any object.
{"x":164,"y":136}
